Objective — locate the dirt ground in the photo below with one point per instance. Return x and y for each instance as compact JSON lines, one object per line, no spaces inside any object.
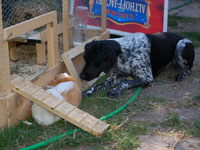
{"x":177,"y":94}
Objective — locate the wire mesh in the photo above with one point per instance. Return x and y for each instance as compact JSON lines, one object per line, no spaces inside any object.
{"x":16,"y":11}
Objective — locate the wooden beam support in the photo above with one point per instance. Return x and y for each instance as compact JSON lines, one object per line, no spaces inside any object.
{"x":29,"y":25}
{"x":13,"y":51}
{"x":66,"y":31}
{"x":78,"y":49}
{"x":5,"y":87}
{"x":103,"y":15}
{"x":75,"y":52}
{"x":40,"y":51}
{"x":52,"y":44}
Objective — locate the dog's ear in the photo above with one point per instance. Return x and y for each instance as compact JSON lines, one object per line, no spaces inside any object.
{"x":110,"y":53}
{"x":108,"y":62}
{"x":91,"y":47}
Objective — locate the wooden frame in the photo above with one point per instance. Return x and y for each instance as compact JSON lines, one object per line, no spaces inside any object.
{"x":48,"y":19}
{"x":74,"y":61}
{"x":14,"y":107}
{"x":4,"y":62}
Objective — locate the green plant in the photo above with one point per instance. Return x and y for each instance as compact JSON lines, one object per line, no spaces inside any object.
{"x":195,"y":129}
{"x":197,"y":97}
{"x":194,"y":36}
{"x":173,"y":20}
{"x":174,"y":121}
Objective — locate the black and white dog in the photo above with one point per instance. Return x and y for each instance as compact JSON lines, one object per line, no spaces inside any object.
{"x":139,"y":56}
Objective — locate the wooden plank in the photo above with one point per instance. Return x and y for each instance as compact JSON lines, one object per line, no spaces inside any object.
{"x":13,"y":51}
{"x":51,"y":47}
{"x":18,"y":82}
{"x":55,"y":32}
{"x":90,"y":122}
{"x":19,"y":108}
{"x":4,"y":62}
{"x":72,"y":58}
{"x":43,"y":79}
{"x":5,"y":85}
{"x":43,"y":34}
{"x":41,"y":95}
{"x":29,"y":25}
{"x":71,"y":69}
{"x":104,"y":35}
{"x":77,"y":115}
{"x":99,"y":127}
{"x":19,"y":39}
{"x":65,"y":18}
{"x":77,"y":50}
{"x":90,"y":33}
{"x":80,"y":49}
{"x":4,"y":111}
{"x":62,"y":109}
{"x":65,"y":108}
{"x":103,"y":16}
{"x":76,"y":62}
{"x":30,"y":88}
{"x":13,"y":108}
{"x":40,"y":52}
{"x":52,"y":101}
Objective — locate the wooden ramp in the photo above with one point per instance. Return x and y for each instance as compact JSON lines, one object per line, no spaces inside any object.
{"x":61,"y":108}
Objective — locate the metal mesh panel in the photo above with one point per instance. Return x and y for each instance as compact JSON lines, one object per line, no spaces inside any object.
{"x":16,"y":11}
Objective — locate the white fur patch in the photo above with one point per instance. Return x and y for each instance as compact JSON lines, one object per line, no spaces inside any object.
{"x":179,"y":51}
{"x":64,"y":86}
{"x":43,"y":116}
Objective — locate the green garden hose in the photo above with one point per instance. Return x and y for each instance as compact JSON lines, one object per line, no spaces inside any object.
{"x":43,"y":143}
{"x":179,"y":6}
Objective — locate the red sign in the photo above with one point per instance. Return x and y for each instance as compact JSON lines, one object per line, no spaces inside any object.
{"x":129,"y":16}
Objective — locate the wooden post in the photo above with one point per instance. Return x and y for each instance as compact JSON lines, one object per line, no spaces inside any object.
{"x":103,"y":15}
{"x":5,"y":85}
{"x":13,"y":51}
{"x":52,"y":50}
{"x":52,"y":43}
{"x":65,"y":15}
{"x":40,"y":51}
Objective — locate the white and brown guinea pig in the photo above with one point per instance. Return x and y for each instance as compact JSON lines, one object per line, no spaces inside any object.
{"x":63,"y":87}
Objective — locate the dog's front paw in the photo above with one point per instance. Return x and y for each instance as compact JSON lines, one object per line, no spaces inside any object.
{"x":113,"y":93}
{"x":84,"y":95}
{"x":179,"y":77}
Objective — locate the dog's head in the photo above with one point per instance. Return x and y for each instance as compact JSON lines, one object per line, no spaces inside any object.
{"x":99,"y":56}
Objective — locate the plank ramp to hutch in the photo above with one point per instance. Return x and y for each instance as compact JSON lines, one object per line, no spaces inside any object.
{"x":59,"y":107}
